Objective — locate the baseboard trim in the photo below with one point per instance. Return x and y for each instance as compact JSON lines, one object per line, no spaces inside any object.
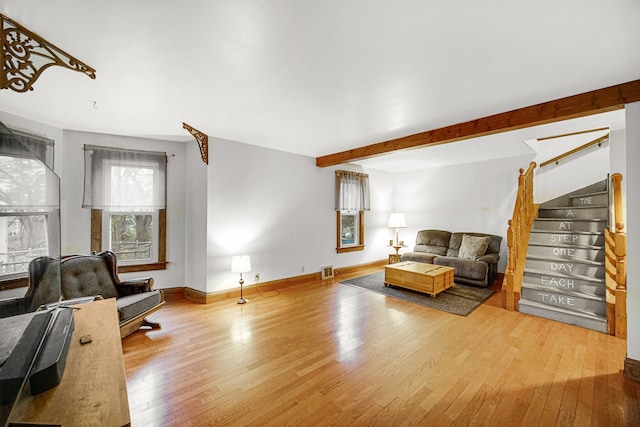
{"x":631,"y":370}
{"x":172,"y":294}
{"x":343,"y":271}
{"x":274,"y":285}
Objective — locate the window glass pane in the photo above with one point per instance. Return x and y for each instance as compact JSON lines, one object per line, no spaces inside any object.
{"x":22,"y":238}
{"x":132,"y":236}
{"x":23,"y":184}
{"x":349,"y":229}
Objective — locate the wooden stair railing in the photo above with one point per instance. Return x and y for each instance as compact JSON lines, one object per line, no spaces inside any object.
{"x":616,"y":265}
{"x":524,"y":213}
{"x":557,"y":159}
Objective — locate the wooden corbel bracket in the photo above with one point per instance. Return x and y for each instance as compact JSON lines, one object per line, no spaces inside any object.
{"x":202,"y":139}
{"x":25,"y":55}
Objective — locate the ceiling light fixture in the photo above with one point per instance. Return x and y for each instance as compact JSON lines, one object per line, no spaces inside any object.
{"x":25,"y":55}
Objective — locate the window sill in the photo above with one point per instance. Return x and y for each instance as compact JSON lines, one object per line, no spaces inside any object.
{"x":132,"y":268}
{"x":21,"y":282}
{"x":350,"y":249}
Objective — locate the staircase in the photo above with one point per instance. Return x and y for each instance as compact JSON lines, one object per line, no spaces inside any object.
{"x":564,"y":276}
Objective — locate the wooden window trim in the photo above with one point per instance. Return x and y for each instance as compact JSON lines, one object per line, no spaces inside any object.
{"x":360,"y":245}
{"x":96,"y":243}
{"x":18,"y":282}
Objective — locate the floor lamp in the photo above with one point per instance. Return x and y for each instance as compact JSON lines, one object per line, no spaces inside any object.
{"x":241,"y":264}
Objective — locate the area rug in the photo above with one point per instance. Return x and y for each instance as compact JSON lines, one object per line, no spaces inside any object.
{"x":461,"y":299}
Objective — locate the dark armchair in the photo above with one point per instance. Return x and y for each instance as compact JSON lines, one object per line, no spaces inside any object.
{"x":90,"y":275}
{"x":44,"y":288}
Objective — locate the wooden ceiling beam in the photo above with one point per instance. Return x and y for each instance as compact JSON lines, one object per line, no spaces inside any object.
{"x":584,"y":104}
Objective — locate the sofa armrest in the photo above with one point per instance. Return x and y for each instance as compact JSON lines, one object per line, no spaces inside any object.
{"x":489,"y":258}
{"x":135,"y":286}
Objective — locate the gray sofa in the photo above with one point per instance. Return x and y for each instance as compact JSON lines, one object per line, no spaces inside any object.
{"x":473,"y":255}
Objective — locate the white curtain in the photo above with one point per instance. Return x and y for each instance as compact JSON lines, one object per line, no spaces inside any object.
{"x":352,"y":191}
{"x":117,"y":179}
{"x":27,"y":183}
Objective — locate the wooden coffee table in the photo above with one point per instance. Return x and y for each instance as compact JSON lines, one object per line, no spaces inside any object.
{"x":419,"y":276}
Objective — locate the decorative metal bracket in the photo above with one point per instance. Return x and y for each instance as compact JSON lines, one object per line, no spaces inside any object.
{"x":203,"y":141}
{"x":25,"y":55}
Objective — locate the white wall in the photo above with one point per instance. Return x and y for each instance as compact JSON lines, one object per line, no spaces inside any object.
{"x":76,"y":224}
{"x":278,"y":208}
{"x":196,"y":196}
{"x":618,"y":161}
{"x":473,"y":197}
{"x":582,"y":169}
{"x":632,"y":179}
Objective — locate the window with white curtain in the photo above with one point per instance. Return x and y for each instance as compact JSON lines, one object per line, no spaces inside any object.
{"x":352,"y":199}
{"x":128,"y":188}
{"x":29,"y":209}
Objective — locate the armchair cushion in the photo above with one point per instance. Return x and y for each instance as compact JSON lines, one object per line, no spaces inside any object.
{"x":82,"y":276}
{"x":132,"y":305}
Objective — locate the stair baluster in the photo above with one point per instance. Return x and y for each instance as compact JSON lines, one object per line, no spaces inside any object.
{"x":524,"y":213}
{"x":617,"y":266}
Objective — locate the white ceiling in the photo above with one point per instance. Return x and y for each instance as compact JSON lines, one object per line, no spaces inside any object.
{"x":315,"y":77}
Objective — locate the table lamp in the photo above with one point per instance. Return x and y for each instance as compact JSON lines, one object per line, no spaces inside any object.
{"x":241,"y":264}
{"x":396,"y":220}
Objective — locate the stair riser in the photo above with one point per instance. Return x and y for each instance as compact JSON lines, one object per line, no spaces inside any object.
{"x":600,"y":326}
{"x":596,"y":199}
{"x":566,"y":253}
{"x":566,"y":268}
{"x":568,"y":213}
{"x":564,"y":301}
{"x":559,"y":225}
{"x":567,"y":239}
{"x":555,"y":283}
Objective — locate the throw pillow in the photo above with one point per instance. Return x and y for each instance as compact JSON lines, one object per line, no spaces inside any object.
{"x":473,"y":247}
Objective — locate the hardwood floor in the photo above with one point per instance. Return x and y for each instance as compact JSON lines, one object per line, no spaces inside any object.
{"x":332,"y":354}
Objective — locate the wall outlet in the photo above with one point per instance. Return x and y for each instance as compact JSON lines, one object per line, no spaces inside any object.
{"x":257,"y":277}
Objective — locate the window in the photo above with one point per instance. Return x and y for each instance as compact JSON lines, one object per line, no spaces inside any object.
{"x":350,"y":231}
{"x":352,"y":199}
{"x":126,"y":191}
{"x":29,"y":210}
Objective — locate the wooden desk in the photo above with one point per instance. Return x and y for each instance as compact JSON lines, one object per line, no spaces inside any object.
{"x":93,"y":390}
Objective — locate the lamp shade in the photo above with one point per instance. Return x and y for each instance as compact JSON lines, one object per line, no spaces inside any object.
{"x":396,"y":220}
{"x":240,"y":264}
